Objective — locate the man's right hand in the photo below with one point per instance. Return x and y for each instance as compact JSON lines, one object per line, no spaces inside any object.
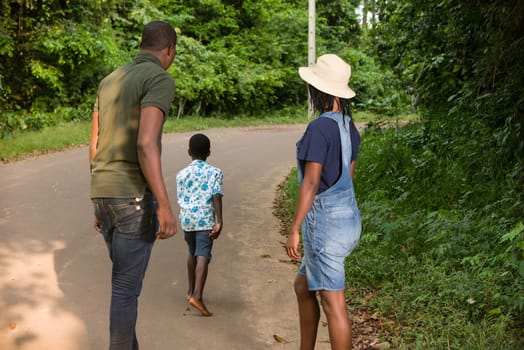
{"x":166,"y":223}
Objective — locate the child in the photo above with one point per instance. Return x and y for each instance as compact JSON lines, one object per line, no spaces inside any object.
{"x":326,"y":207}
{"x":199,"y":195}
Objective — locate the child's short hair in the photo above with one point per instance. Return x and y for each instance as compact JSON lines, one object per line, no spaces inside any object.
{"x":199,"y":146}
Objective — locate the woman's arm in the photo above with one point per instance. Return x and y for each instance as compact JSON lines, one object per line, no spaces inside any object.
{"x":306,"y":195}
{"x":352,"y":168}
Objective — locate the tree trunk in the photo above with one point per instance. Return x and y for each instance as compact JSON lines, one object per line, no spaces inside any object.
{"x":181,"y":105}
{"x":365,"y":14}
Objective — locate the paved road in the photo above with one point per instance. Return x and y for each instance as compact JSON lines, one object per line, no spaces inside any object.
{"x":55,"y":272}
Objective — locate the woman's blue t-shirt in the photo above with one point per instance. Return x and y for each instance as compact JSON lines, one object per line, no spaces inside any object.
{"x":321,"y":144}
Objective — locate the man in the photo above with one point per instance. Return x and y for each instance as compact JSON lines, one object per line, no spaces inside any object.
{"x":131,"y":204}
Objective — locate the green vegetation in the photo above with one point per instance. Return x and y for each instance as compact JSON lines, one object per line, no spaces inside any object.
{"x":442,"y":199}
{"x":448,"y":243}
{"x":22,"y":144}
{"x":233,"y":57}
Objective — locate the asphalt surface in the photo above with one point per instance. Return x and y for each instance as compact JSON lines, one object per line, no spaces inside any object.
{"x":55,"y":271}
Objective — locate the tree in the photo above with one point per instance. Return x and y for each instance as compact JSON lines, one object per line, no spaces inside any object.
{"x":463,"y":59}
{"x":234,"y":56}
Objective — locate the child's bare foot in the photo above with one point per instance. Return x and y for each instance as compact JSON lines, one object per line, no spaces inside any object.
{"x":197,"y":304}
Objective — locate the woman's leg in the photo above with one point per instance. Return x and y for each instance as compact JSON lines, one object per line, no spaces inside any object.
{"x":308,"y":312}
{"x":339,"y":326}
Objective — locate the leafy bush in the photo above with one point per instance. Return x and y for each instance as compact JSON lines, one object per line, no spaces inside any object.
{"x":443,"y":246}
{"x":11,"y":122}
{"x":233,"y":57}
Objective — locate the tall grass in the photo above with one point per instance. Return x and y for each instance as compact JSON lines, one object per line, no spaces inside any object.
{"x":443,"y":244}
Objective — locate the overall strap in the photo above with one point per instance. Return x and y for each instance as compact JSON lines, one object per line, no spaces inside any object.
{"x":343,"y":122}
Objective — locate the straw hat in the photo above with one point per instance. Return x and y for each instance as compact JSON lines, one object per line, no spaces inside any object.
{"x":330,"y":75}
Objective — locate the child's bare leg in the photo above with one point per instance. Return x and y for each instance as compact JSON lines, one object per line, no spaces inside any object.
{"x":200,"y":281}
{"x":201,"y":269}
{"x":339,"y":326}
{"x":191,"y":264}
{"x":308,"y":312}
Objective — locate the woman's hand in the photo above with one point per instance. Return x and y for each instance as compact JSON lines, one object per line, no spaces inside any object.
{"x":292,"y":245}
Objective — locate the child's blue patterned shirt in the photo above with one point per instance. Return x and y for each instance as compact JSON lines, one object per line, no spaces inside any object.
{"x":196,"y":184}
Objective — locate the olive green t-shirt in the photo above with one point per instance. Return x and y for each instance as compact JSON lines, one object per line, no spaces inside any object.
{"x":115,"y":171}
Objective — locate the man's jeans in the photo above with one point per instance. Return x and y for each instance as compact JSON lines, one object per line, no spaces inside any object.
{"x":129,"y":229}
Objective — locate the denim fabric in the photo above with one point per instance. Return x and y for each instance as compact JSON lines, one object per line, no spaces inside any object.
{"x":332,"y":227}
{"x":129,"y":228}
{"x":199,"y":243}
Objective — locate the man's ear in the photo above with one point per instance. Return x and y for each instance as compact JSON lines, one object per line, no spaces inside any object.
{"x":189,"y":152}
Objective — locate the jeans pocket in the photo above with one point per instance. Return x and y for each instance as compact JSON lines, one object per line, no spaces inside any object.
{"x":135,"y":219}
{"x":342,"y":230}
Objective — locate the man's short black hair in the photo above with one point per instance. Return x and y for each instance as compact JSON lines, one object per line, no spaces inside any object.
{"x":158,"y":35}
{"x":199,"y":146}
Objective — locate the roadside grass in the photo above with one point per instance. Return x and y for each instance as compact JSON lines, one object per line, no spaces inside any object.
{"x":50,"y":139}
{"x":77,"y":133}
{"x":295,"y":115}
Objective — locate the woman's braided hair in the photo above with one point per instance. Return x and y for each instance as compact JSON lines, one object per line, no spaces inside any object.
{"x":322,"y":102}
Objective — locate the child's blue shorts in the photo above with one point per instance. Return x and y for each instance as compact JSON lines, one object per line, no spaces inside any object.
{"x":199,"y":243}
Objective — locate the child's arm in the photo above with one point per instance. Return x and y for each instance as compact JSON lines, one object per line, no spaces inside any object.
{"x":217,"y":204}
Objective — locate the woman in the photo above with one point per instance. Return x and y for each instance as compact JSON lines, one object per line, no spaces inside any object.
{"x":326,"y":210}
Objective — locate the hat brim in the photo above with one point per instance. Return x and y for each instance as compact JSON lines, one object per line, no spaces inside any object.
{"x":327,"y":87}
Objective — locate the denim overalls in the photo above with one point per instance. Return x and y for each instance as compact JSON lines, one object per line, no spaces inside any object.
{"x":331,"y":229}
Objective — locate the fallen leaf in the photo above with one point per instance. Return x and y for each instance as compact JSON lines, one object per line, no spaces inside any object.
{"x":367,"y":330}
{"x":265,"y":255}
{"x":381,"y":346}
{"x":280,"y":339}
{"x":358,"y":319}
